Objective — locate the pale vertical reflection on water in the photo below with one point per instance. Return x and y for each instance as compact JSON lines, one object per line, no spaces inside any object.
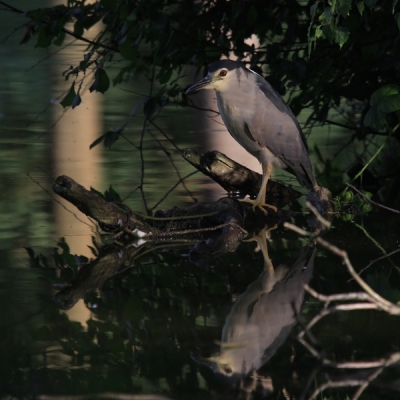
{"x":72,"y":136}
{"x":72,"y":155}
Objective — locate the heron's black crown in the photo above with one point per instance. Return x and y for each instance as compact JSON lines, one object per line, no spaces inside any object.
{"x":228,"y":64}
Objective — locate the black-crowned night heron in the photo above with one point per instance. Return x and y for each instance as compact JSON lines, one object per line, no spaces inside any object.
{"x":259,"y":120}
{"x":262,"y":318}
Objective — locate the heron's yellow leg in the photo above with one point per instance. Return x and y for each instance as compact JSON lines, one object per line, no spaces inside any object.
{"x":260,"y":200}
{"x":261,"y":238}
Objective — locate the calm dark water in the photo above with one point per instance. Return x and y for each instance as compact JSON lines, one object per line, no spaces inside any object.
{"x":169,"y":326}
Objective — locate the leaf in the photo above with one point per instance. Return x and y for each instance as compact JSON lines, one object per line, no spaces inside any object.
{"x":97,"y":141}
{"x":397,"y":19}
{"x":344,"y":7}
{"x":112,"y":195}
{"x":165,"y":74}
{"x":37,"y":15}
{"x":383,"y":101}
{"x":389,"y":103}
{"x":375,"y":119}
{"x":76,"y":101}
{"x":128,"y":51}
{"x":382,"y":92}
{"x":42,"y":334}
{"x":93,"y":190}
{"x":44,"y":40}
{"x":108,"y":4}
{"x":313,"y":8}
{"x":150,"y":107}
{"x":112,"y":136}
{"x":136,"y":108}
{"x":94,"y":251}
{"x":78,"y":28}
{"x":370,"y":3}
{"x":326,"y":15}
{"x":101,"y":82}
{"x":64,"y":246}
{"x":394,"y":5}
{"x":252,"y":16}
{"x":361,"y":7}
{"x":69,"y":98}
{"x":60,"y":39}
{"x":341,"y":34}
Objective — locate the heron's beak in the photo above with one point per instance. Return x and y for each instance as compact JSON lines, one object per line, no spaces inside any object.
{"x":201,"y":84}
{"x":206,"y":362}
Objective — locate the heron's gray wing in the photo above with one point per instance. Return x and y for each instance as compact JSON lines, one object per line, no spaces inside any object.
{"x":274,"y":126}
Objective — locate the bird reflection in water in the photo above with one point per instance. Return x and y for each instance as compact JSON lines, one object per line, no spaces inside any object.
{"x":262,"y":317}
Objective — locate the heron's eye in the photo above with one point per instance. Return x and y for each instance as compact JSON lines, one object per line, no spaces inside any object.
{"x":228,"y":370}
{"x":223,"y":72}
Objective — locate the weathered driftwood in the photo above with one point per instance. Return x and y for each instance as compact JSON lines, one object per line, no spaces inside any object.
{"x":195,"y":219}
{"x":236,"y":178}
{"x":174,"y":224}
{"x":111,"y":261}
{"x":110,"y":216}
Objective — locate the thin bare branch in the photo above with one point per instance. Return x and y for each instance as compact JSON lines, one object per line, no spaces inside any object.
{"x":320,"y":218}
{"x":378,"y":259}
{"x":371,"y":201}
{"x":57,"y":201}
{"x":141,"y":187}
{"x":337,"y":384}
{"x":297,"y":229}
{"x":341,"y":307}
{"x":381,"y":364}
{"x":381,"y":303}
{"x":339,"y":297}
{"x":181,"y":180}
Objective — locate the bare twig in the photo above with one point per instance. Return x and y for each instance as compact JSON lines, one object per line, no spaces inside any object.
{"x":338,"y":297}
{"x":116,"y":396}
{"x":375,"y":242}
{"x":341,"y":307}
{"x":181,"y":180}
{"x":165,"y":135}
{"x":142,"y":172}
{"x":380,"y":302}
{"x":371,"y":201}
{"x":337,"y":384}
{"x":370,"y":301}
{"x":297,"y":229}
{"x":392,"y":359}
{"x":364,"y":383}
{"x":320,"y":218}
{"x":57,"y":201}
{"x":378,"y":259}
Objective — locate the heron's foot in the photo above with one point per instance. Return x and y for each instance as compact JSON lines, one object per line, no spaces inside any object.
{"x":261,"y":238}
{"x":260,"y":204}
{"x":264,"y":233}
